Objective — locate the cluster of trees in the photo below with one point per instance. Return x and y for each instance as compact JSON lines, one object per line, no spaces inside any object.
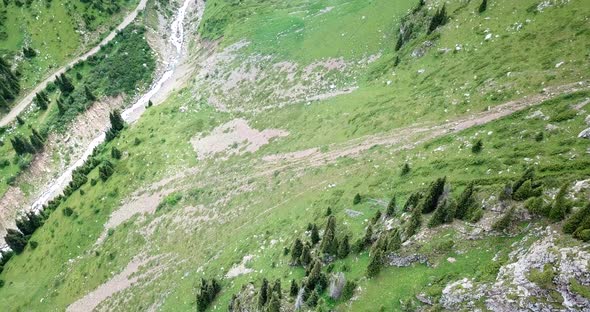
{"x":117,"y":124}
{"x":27,"y":225}
{"x":9,"y":84}
{"x":42,"y":100}
{"x":31,"y":146}
{"x":207,"y":292}
{"x":440,"y":18}
{"x":64,"y":84}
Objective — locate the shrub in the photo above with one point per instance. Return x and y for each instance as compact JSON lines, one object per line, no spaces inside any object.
{"x":477,"y":147}
{"x":357,"y":199}
{"x":524,"y":191}
{"x":405,"y":169}
{"x":33,"y":244}
{"x":466,"y":201}
{"x":483,"y":6}
{"x":348,"y":290}
{"x":67,"y":211}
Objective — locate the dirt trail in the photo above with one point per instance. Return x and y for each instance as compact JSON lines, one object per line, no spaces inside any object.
{"x":116,"y":284}
{"x":24,"y":102}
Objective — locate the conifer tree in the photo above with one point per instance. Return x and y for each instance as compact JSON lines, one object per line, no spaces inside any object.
{"x":483,"y":6}
{"x":117,"y":124}
{"x":375,"y":264}
{"x":263,"y":293}
{"x":357,"y":199}
{"x":276,"y":288}
{"x":561,"y":205}
{"x":274,"y":304}
{"x":376,"y":217}
{"x":61,"y":106}
{"x":115,"y":153}
{"x":406,"y":167}
{"x":390,"y":208}
{"x":36,"y":140}
{"x":296,"y":251}
{"x":395,"y":240}
{"x":305,"y":257}
{"x":412,"y":202}
{"x":439,"y":19}
{"x":344,"y":248}
{"x":315,"y":235}
{"x":106,"y":170}
{"x":368,"y":238}
{"x":89,"y":96}
{"x":414,"y":223}
{"x":466,"y":200}
{"x":433,"y":194}
{"x":329,"y":245}
{"x":477,"y":147}
{"x":294,"y":289}
{"x":15,"y":240}
{"x":574,"y":221}
{"x":328,"y":212}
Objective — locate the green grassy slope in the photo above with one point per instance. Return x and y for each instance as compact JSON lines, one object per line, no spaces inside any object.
{"x":224,"y":209}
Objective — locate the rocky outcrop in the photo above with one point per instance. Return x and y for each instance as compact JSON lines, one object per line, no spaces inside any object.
{"x":516,"y":290}
{"x":404,"y":261}
{"x":585,"y":134}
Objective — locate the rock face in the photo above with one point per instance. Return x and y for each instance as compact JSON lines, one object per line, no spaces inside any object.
{"x":513,"y":289}
{"x":585,"y":134}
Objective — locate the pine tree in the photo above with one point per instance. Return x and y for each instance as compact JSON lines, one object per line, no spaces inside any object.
{"x":368,"y":238}
{"x":150,"y":103}
{"x":439,"y":19}
{"x":296,"y":251}
{"x":433,"y":194}
{"x":344,"y":248}
{"x":106,"y":170}
{"x":375,"y":264}
{"x":466,"y":200}
{"x":561,"y":205}
{"x":89,"y":95}
{"x":483,"y":6}
{"x":276,"y":288}
{"x":315,"y":235}
{"x":275,"y":304}
{"x":329,"y":245}
{"x":376,"y":217}
{"x":115,"y":153}
{"x":314,"y":277}
{"x":390,"y":208}
{"x":294,"y":289}
{"x":414,"y":223}
{"x":64,"y":84}
{"x":444,"y":213}
{"x":412,"y":202}
{"x":574,"y":221}
{"x":395,"y":240}
{"x":41,"y":100}
{"x":60,"y":106}
{"x":15,"y":240}
{"x":305,"y":257}
{"x":524,"y":191}
{"x":37,"y":140}
{"x":263,"y":293}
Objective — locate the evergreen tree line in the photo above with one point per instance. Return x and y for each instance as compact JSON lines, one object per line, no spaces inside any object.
{"x":9,"y":84}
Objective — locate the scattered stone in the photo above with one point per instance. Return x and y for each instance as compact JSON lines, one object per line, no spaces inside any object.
{"x":451,"y":260}
{"x":559,"y":64}
{"x":404,"y":261}
{"x":353,"y":213}
{"x":585,"y":134}
{"x":551,"y":128}
{"x":488,"y":37}
{"x":424,"y":299}
{"x":537,"y":115}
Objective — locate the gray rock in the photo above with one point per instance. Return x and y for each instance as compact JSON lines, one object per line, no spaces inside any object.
{"x":587,"y":120}
{"x":551,"y":128}
{"x":585,"y":134}
{"x":537,"y":115}
{"x":404,"y":261}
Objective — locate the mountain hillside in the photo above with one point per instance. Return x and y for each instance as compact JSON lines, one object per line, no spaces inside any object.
{"x":326,"y":155}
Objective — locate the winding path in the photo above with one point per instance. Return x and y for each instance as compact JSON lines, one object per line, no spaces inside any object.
{"x":24,"y":102}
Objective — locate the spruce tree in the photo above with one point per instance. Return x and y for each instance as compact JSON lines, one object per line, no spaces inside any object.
{"x":434,"y":192}
{"x":439,"y":19}
{"x":263,"y":293}
{"x":305,"y":257}
{"x":329,"y":245}
{"x":115,"y":153}
{"x":294,"y":289}
{"x":328,"y":212}
{"x":574,"y":221}
{"x":483,"y":6}
{"x":37,"y":140}
{"x":106,"y":170}
{"x":15,"y":240}
{"x":276,"y":288}
{"x":395,"y":240}
{"x":406,"y":167}
{"x":561,"y":205}
{"x":344,"y":248}
{"x":296,"y":251}
{"x":315,"y":235}
{"x":390,"y":208}
{"x":466,"y":200}
{"x":412,"y":202}
{"x":275,"y":304}
{"x":368,"y":238}
{"x":312,"y":301}
{"x":413,"y":225}
{"x":375,"y":264}
{"x":61,"y":106}
{"x":89,"y":96}
{"x":477,"y":147}
{"x":376,"y":217}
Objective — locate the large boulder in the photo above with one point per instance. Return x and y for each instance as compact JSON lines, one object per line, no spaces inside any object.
{"x":585,"y":134}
